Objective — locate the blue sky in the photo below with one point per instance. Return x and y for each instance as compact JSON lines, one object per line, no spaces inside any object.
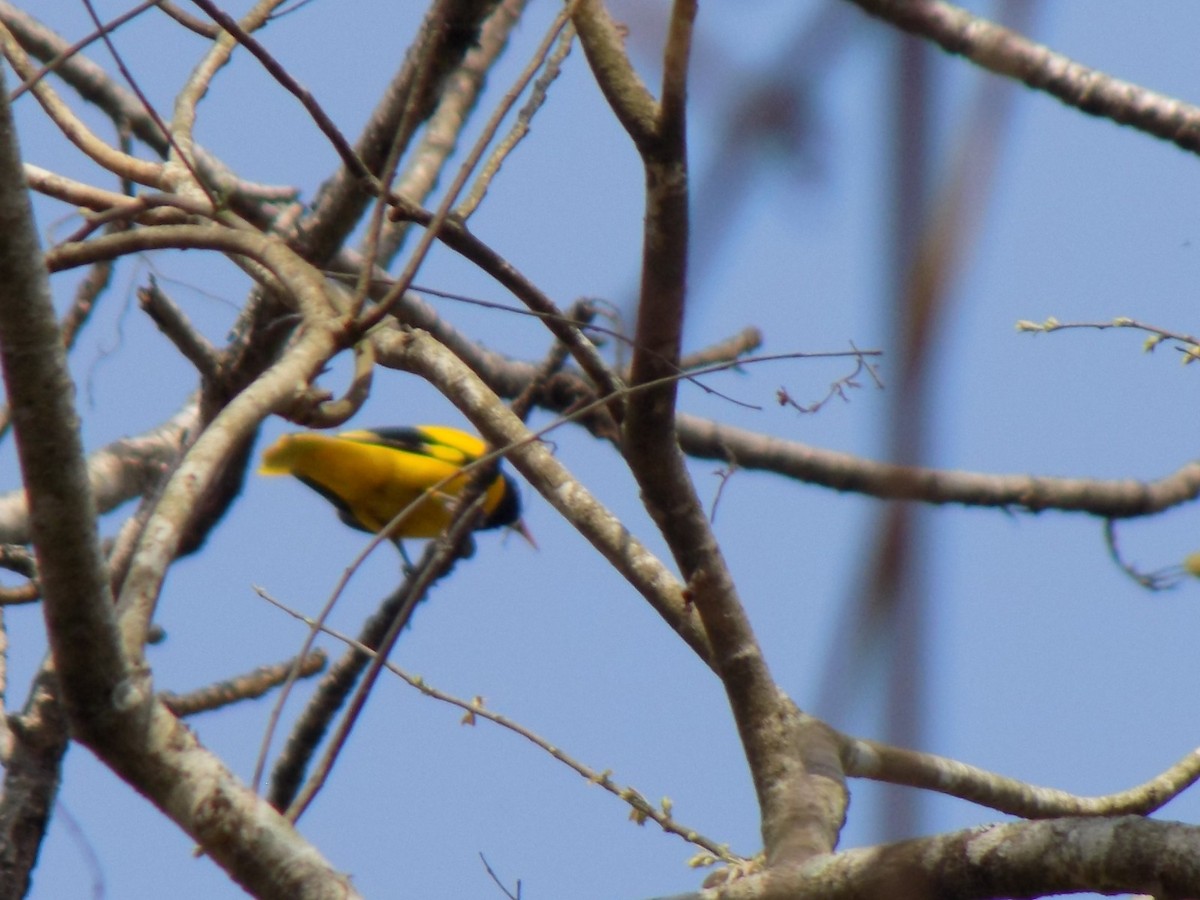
{"x":1046,"y":662}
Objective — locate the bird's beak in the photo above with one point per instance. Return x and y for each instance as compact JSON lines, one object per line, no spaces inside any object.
{"x":519,"y":527}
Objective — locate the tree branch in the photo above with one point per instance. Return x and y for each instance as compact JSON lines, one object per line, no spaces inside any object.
{"x":32,"y":774}
{"x":450,"y":29}
{"x":883,"y":762}
{"x":1128,"y":854}
{"x":125,"y":166}
{"x":417,"y":352}
{"x":109,"y":703}
{"x":1012,"y":55}
{"x":1110,"y":499}
{"x":802,"y":810}
{"x":625,"y":92}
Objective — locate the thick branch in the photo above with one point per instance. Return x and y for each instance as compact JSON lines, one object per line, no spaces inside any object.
{"x":458,"y":238}
{"x":417,"y":352}
{"x":111,"y":705}
{"x":801,"y":815}
{"x":116,"y":473}
{"x":32,"y":772}
{"x":202,"y":467}
{"x":77,"y":605}
{"x":623,"y":89}
{"x":1016,"y":859}
{"x":248,"y":686}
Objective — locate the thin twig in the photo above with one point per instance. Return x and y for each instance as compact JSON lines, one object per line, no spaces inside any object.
{"x":474,"y":709}
{"x":1190,"y":348}
{"x":276,"y":70}
{"x":440,"y":215}
{"x":73,"y":128}
{"x":496,"y":879}
{"x":185,"y":159}
{"x":440,"y":137}
{"x":65,"y":54}
{"x":439,"y":558}
{"x":520,"y":127}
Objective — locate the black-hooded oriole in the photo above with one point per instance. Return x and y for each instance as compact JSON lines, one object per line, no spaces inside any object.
{"x":371,"y":475}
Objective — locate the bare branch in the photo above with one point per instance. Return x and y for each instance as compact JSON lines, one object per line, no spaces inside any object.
{"x":443,"y":211}
{"x":117,"y":473}
{"x":449,"y":30}
{"x":249,"y":686}
{"x":604,"y":46}
{"x":172,"y":322}
{"x":1121,"y":855}
{"x":66,"y":53}
{"x":520,"y":128}
{"x":417,"y":352}
{"x":439,"y":558}
{"x":311,"y":726}
{"x":35,"y":742}
{"x":110,"y":703}
{"x":736,"y":345}
{"x":62,"y":518}
{"x":188,"y":21}
{"x":111,"y":203}
{"x":802,"y":808}
{"x":883,"y":762}
{"x":462,"y":241}
{"x":123,"y":107}
{"x":180,"y":134}
{"x":187,"y":160}
{"x":92,"y":82}
{"x":241,"y":35}
{"x":103,"y":154}
{"x":89,"y":290}
{"x":1121,"y":499}
{"x":206,"y":459}
{"x":476,"y":709}
{"x":21,"y":594}
{"x":1007,"y":53}
{"x":440,"y":138}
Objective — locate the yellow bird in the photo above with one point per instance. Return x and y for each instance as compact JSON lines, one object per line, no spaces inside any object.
{"x":371,"y":475}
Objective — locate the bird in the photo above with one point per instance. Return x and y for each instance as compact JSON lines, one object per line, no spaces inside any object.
{"x":371,"y":475}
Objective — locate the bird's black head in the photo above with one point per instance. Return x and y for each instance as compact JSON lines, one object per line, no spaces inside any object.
{"x":508,"y":510}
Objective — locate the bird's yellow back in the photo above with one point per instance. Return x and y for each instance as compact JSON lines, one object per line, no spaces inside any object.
{"x":371,"y":476}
